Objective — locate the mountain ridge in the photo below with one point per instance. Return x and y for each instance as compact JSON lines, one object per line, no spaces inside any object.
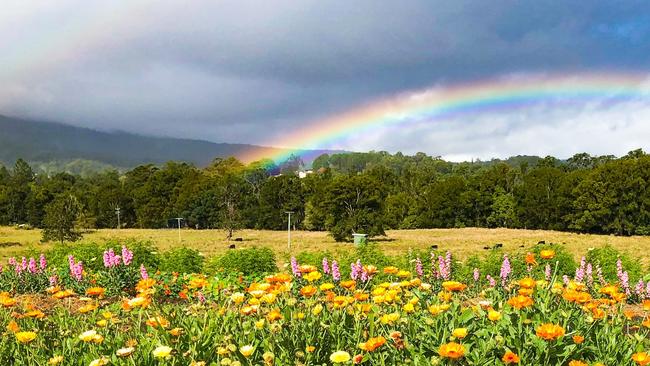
{"x":46,"y":141}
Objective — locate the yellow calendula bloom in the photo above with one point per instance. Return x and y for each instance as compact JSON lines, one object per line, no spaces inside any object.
{"x":162,"y":352}
{"x":248,"y":350}
{"x":125,"y":352}
{"x":55,"y":360}
{"x":25,"y":337}
{"x":459,"y":333}
{"x":88,"y":335}
{"x":316,"y":310}
{"x":494,"y":315}
{"x":99,"y":362}
{"x":340,"y":357}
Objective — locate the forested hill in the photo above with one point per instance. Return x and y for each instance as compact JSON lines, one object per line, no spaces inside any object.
{"x":44,"y":142}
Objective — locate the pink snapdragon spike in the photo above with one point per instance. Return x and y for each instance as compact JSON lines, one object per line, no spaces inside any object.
{"x":581,"y":270}
{"x":31,"y":267}
{"x":107,"y":259}
{"x":23,"y":264}
{"x":622,"y":275}
{"x":53,"y":280}
{"x":418,"y":268}
{"x":565,"y":279}
{"x":477,"y":275}
{"x":639,"y":289}
{"x":547,"y":272}
{"x":336,"y":273}
{"x":434,"y":272}
{"x":599,"y":273}
{"x":127,"y":256}
{"x":505,"y":270}
{"x":295,"y":269}
{"x":589,"y":275}
{"x":200,"y":296}
{"x":42,"y":262}
{"x":326,"y":266}
{"x":355,"y":272}
{"x":491,"y":281}
{"x":143,"y":272}
{"x":12,"y":261}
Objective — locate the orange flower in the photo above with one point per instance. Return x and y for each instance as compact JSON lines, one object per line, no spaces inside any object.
{"x":452,"y":350}
{"x":549,"y":331}
{"x":144,"y":285}
{"x":453,"y":286}
{"x":350,"y":284}
{"x":510,"y":357}
{"x":577,"y":339}
{"x":308,"y":291}
{"x":157,"y":321}
{"x":63,"y":294}
{"x":13,"y":327}
{"x":547,"y":254}
{"x":527,"y":283}
{"x":274,"y":315}
{"x":95,"y":291}
{"x":391,"y":270}
{"x":641,"y":358}
{"x":519,"y":302}
{"x":530,"y":259}
{"x":577,"y":363}
{"x":357,"y":359}
{"x":372,"y":344}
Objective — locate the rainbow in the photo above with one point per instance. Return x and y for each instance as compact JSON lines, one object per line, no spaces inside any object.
{"x":440,"y":102}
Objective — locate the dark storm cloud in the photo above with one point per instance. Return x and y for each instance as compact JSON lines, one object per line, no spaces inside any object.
{"x":235,"y":70}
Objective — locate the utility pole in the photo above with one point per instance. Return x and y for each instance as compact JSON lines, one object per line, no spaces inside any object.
{"x":179,"y":219}
{"x":289,"y":229}
{"x":117,"y":211}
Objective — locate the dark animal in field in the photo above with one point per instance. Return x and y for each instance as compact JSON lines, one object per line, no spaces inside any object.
{"x":487,"y":248}
{"x":498,"y":245}
{"x":239,"y":239}
{"x":9,"y":244}
{"x":541,"y":242}
{"x":231,"y":246}
{"x":521,"y":246}
{"x":434,"y":247}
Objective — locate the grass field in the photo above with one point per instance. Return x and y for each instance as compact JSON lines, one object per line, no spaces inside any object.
{"x":462,"y":242}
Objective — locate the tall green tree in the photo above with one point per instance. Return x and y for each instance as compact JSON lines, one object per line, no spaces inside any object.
{"x":61,"y":216}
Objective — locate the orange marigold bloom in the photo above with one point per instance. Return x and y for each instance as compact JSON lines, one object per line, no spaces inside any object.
{"x":274,"y":315}
{"x":547,"y":254}
{"x":349,"y":284}
{"x":510,"y":357}
{"x":145,"y":284}
{"x":157,"y":321}
{"x":549,"y":331}
{"x":527,"y":283}
{"x":372,"y":344}
{"x":307,"y":268}
{"x":519,"y":302}
{"x":95,"y":291}
{"x":308,"y":291}
{"x":357,"y":359}
{"x":391,"y":270}
{"x":63,"y":294}
{"x":13,"y":327}
{"x":577,"y":339}
{"x":530,"y":259}
{"x":577,"y":363}
{"x":452,"y":350}
{"x":641,"y":358}
{"x":453,"y":286}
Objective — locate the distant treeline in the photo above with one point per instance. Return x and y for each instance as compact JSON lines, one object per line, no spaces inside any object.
{"x":352,"y":192}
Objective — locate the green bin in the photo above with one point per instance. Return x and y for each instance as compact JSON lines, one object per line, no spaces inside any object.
{"x":360,"y":238}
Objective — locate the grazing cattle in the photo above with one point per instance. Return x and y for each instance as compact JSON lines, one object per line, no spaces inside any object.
{"x":231,"y":246}
{"x":498,"y":245}
{"x":434,"y":247}
{"x":239,"y":239}
{"x":521,"y":246}
{"x":486,"y":248}
{"x":541,"y":242}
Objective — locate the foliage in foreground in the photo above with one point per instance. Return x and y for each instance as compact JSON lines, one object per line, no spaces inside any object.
{"x":423,"y":313}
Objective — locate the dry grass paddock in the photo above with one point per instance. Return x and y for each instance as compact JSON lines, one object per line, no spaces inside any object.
{"x":462,"y":242}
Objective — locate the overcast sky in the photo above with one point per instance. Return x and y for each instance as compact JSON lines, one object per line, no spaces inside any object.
{"x":251,"y":71}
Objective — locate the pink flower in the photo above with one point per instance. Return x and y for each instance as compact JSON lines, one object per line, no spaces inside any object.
{"x":143,"y":272}
{"x":418,"y":267}
{"x":477,"y":275}
{"x":326,"y":266}
{"x":336,"y":274}
{"x":127,"y":256}
{"x":42,"y":262}
{"x":295,"y":269}
{"x":505,"y":270}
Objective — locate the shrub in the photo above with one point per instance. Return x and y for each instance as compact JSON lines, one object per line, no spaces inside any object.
{"x":249,"y":262}
{"x":91,"y":254}
{"x":566,"y":265}
{"x":182,"y":260}
{"x":606,"y":256}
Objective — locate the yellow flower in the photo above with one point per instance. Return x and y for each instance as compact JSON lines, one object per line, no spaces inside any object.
{"x":459,"y":333}
{"x":248,"y":349}
{"x":312,"y":276}
{"x":409,"y":308}
{"x":102,"y":323}
{"x":25,"y":337}
{"x":641,"y":358}
{"x":99,"y":362}
{"x":88,"y":335}
{"x":549,"y":331}
{"x":340,"y":357}
{"x":162,"y":352}
{"x":125,"y":352}
{"x":452,"y":350}
{"x":317,"y":309}
{"x":237,"y":297}
{"x":547,"y":254}
{"x":55,"y":360}
{"x":494,"y":315}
